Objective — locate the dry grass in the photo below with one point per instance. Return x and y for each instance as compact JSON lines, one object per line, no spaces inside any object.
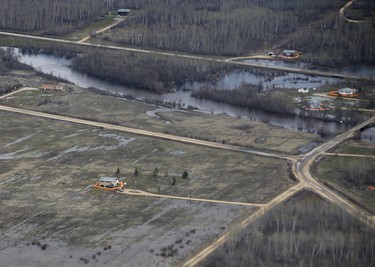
{"x":47,"y":170}
{"x":219,"y":128}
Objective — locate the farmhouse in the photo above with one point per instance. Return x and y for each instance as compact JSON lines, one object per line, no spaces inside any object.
{"x":289,"y":53}
{"x":123,"y":12}
{"x":347,"y":91}
{"x":344,"y":92}
{"x":109,"y":181}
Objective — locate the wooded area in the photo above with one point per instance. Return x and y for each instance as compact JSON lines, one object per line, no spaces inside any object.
{"x":239,"y":27}
{"x":151,"y":72}
{"x":52,"y":16}
{"x":305,"y":231}
{"x":217,"y":27}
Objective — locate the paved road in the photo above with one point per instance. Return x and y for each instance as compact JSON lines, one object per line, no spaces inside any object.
{"x":198,"y":57}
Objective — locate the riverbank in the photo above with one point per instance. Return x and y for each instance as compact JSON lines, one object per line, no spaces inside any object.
{"x":219,"y":128}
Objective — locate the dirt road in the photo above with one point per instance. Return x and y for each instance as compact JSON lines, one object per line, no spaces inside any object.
{"x":349,"y":155}
{"x":301,"y":170}
{"x":134,"y":192}
{"x":19,"y":90}
{"x":342,"y":14}
{"x":197,"y":57}
{"x":147,"y":133}
{"x":118,"y":20}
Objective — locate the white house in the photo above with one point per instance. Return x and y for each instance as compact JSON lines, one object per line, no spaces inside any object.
{"x":109,"y":181}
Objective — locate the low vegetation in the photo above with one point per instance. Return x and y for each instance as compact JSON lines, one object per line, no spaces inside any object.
{"x":305,"y":231}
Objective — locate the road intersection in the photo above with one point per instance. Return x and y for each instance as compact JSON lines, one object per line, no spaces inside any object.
{"x":301,"y":170}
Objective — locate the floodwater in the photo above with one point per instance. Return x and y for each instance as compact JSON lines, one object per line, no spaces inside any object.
{"x":60,"y":67}
{"x":368,"y":135}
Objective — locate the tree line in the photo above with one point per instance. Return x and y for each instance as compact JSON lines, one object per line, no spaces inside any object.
{"x":306,"y":231}
{"x":151,"y":72}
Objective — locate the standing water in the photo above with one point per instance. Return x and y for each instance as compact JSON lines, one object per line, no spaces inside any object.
{"x":60,"y":67}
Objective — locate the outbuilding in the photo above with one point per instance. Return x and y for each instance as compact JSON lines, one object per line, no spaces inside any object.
{"x":123,"y":12}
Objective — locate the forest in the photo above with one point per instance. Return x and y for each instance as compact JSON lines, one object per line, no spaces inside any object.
{"x":239,"y":27}
{"x":304,"y":231}
{"x":215,"y":27}
{"x":52,"y":16}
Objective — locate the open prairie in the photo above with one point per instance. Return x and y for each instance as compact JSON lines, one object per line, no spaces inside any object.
{"x":51,"y":214}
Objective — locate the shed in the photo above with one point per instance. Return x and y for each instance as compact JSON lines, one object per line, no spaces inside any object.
{"x":123,"y":12}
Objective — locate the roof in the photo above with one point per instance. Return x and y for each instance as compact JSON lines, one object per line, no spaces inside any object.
{"x":108,"y":179}
{"x":124,"y":10}
{"x":347,"y":90}
{"x":289,"y":51}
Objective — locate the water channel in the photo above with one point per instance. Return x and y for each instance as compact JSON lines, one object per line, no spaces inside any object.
{"x":60,"y":67}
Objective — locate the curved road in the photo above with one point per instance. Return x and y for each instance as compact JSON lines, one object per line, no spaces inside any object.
{"x":342,"y":14}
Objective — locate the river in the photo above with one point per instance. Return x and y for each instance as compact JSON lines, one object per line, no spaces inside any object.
{"x":60,"y":67}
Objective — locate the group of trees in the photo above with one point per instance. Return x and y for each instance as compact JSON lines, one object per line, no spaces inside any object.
{"x":358,"y":172}
{"x":248,"y":96}
{"x":306,"y":231}
{"x":150,"y":72}
{"x":8,"y":60}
